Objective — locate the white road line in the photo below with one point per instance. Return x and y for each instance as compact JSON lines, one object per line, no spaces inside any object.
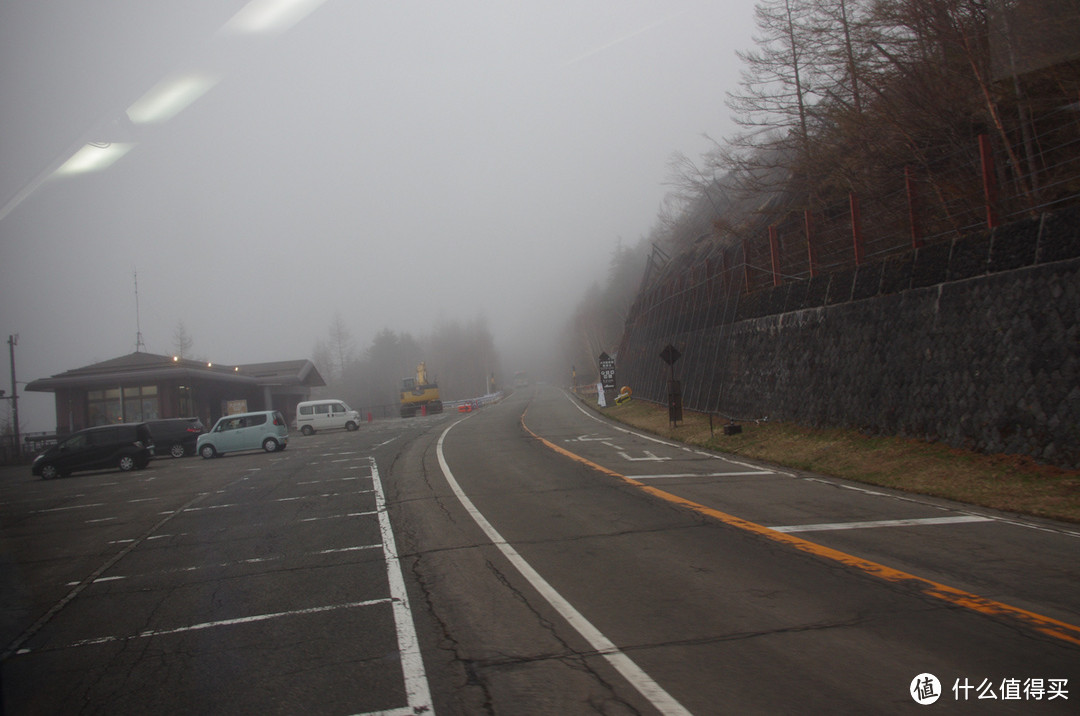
{"x":228,"y":622}
{"x":64,"y":509}
{"x":226,"y":565}
{"x":412,"y":661}
{"x":883,"y":523}
{"x":348,"y":549}
{"x":700,"y":474}
{"x":654,"y":439}
{"x":646,"y":686}
{"x":831,"y":483}
{"x":338,"y":517}
{"x":15,"y":647}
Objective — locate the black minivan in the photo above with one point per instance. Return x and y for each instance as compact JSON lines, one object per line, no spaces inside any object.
{"x":175,"y":436}
{"x":127,"y":446}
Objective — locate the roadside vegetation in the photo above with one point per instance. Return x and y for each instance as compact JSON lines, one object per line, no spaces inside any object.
{"x":1010,"y":483}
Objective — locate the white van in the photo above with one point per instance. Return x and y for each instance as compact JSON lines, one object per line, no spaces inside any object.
{"x":312,"y":415}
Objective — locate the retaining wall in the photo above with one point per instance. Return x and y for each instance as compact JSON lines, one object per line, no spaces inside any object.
{"x":974,"y":342}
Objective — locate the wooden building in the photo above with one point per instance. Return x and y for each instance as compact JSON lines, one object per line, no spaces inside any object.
{"x":144,"y":386}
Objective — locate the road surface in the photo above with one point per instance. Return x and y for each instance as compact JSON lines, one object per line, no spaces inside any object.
{"x":526,"y":558}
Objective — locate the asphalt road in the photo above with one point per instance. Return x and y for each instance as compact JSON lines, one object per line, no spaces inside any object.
{"x":526,"y":558}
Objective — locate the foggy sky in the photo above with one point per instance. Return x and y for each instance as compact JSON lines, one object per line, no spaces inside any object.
{"x":399,"y":163}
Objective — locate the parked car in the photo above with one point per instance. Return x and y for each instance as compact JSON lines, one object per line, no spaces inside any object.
{"x":175,"y":436}
{"x":312,"y":415}
{"x":127,"y":446}
{"x":245,"y":431}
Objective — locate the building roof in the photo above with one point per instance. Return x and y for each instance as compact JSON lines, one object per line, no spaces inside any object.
{"x":149,"y":366}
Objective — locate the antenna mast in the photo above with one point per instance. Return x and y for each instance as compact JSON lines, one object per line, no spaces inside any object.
{"x":139,"y":345}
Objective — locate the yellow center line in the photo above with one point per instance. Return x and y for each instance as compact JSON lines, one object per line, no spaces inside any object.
{"x":1043,"y":624}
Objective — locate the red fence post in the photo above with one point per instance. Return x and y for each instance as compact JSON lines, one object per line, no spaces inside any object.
{"x":856,"y":227}
{"x":808,"y":222}
{"x":912,"y":208}
{"x":989,"y":178}
{"x":774,"y":253}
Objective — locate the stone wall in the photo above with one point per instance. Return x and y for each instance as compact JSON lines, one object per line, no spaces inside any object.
{"x":974,"y":342}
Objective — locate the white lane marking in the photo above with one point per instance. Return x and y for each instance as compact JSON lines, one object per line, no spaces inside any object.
{"x":654,"y":439}
{"x":649,"y":457}
{"x":412,"y":661}
{"x":646,"y":686}
{"x":103,"y":519}
{"x":700,"y":474}
{"x":832,"y":483}
{"x":882,"y":523}
{"x":225,"y":622}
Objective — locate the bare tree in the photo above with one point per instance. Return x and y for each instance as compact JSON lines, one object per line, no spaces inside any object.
{"x":340,"y":347}
{"x":182,"y":341}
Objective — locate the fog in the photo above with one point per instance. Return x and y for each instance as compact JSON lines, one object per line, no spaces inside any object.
{"x":400,"y":164}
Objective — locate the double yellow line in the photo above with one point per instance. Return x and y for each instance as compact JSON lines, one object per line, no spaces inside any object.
{"x":1043,"y":624}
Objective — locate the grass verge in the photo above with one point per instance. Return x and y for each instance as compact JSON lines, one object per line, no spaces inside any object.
{"x":1004,"y":482}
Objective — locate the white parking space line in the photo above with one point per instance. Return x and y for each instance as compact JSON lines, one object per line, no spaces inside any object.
{"x":829,"y":526}
{"x":412,"y":662}
{"x":227,"y":622}
{"x":71,"y":507}
{"x":338,"y":517}
{"x":226,"y":565}
{"x":664,"y":702}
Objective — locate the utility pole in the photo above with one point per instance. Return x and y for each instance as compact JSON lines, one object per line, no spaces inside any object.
{"x":13,"y":340}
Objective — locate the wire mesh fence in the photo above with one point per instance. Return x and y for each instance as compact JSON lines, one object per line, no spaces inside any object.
{"x":923,"y":205}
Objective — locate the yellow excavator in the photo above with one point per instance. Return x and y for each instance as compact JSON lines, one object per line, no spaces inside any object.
{"x":418,"y":395}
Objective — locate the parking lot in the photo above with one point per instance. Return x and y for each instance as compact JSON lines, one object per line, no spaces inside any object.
{"x":252,"y":582}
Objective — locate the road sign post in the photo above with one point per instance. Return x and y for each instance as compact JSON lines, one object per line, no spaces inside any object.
{"x":607,"y":377}
{"x":669,"y":355}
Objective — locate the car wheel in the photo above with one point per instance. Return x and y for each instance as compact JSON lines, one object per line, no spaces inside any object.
{"x":126,"y":463}
{"x":351,"y":426}
{"x":177,"y":450}
{"x":49,"y":472}
{"x":307,"y":430}
{"x":207,"y":451}
{"x":270,"y":445}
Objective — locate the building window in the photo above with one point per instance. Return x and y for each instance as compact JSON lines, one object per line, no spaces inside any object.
{"x":127,"y":405}
{"x":103,"y":406}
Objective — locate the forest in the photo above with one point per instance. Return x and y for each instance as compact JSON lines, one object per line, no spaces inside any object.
{"x":905,"y":109}
{"x":460,"y":357}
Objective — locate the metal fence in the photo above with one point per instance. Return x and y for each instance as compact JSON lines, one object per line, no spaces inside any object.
{"x":984,"y":185}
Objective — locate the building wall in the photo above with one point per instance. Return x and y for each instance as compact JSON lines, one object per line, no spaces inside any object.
{"x":974,"y":342}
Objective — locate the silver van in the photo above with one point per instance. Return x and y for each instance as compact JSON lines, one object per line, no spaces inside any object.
{"x":245,"y":431}
{"x":313,"y":415}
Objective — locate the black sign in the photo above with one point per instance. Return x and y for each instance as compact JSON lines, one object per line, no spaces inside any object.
{"x":670,"y":354}
{"x":607,"y":371}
